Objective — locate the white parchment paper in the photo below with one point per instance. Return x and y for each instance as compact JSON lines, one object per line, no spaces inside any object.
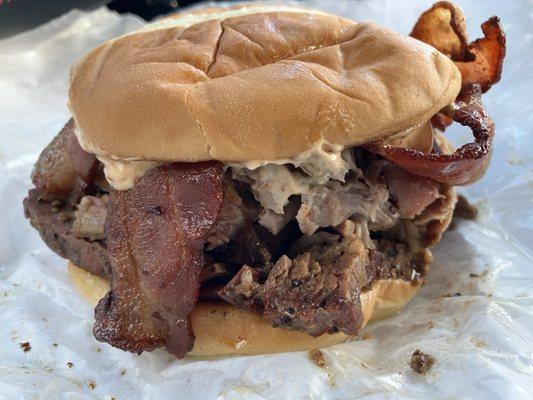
{"x":482,"y":340}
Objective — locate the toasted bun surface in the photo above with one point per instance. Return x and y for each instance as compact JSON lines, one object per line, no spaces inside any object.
{"x":250,"y":83}
{"x":222,"y":329}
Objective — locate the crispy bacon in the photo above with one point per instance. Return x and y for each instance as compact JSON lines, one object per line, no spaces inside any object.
{"x":156,"y":233}
{"x":480,"y":62}
{"x":64,"y":169}
{"x":468,"y":163}
{"x":443,"y":27}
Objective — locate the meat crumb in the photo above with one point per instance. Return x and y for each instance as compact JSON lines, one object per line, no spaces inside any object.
{"x":317,"y":357}
{"x":479,"y":342}
{"x":69,"y":364}
{"x":473,"y":275}
{"x":464,"y":210}
{"x":26,"y":346}
{"x":54,"y":344}
{"x":91,"y":384}
{"x":421,"y":362}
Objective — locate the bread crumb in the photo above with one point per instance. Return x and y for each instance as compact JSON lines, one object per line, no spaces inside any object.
{"x":91,"y":384}
{"x":317,"y":357}
{"x":421,"y":362}
{"x":367,"y":336}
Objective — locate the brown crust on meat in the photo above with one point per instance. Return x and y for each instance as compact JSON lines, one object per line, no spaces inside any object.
{"x":221,"y":329}
{"x":190,"y":91}
{"x":55,"y":227}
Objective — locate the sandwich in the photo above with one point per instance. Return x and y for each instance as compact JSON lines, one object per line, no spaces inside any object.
{"x":261,"y":178}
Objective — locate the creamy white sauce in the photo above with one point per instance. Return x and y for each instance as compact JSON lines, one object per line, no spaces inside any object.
{"x":121,"y":174}
{"x":322,"y":162}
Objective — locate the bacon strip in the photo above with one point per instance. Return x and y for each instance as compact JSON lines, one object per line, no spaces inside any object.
{"x":443,"y":27}
{"x":490,"y":53}
{"x":156,"y":233}
{"x":468,"y":163}
{"x":480,"y":62}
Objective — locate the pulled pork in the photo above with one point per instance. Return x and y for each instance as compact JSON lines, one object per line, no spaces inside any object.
{"x":89,"y":219}
{"x":322,"y":202}
{"x":382,"y":195}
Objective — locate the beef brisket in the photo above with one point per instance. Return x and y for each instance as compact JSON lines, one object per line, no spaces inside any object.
{"x":230,"y":220}
{"x":318,"y":291}
{"x":64,"y":169}
{"x":317,"y":294}
{"x":53,"y":220}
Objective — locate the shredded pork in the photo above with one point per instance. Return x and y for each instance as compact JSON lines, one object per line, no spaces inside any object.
{"x":346,"y":193}
{"x":90,"y":217}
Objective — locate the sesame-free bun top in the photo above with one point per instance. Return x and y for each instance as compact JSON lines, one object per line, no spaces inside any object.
{"x":253,"y":82}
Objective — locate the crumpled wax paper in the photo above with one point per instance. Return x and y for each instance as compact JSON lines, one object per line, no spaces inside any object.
{"x":482,"y":340}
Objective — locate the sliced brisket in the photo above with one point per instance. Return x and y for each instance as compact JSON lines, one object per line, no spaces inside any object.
{"x":316,"y":292}
{"x":53,"y":220}
{"x":64,"y":170}
{"x":319,"y":290}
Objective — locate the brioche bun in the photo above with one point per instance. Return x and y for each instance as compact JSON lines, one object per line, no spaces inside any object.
{"x":222,"y":329}
{"x":261,"y":82}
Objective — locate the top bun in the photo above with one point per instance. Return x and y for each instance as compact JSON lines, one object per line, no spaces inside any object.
{"x":259,"y":82}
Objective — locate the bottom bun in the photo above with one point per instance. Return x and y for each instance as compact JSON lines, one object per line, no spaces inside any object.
{"x":222,"y":329}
